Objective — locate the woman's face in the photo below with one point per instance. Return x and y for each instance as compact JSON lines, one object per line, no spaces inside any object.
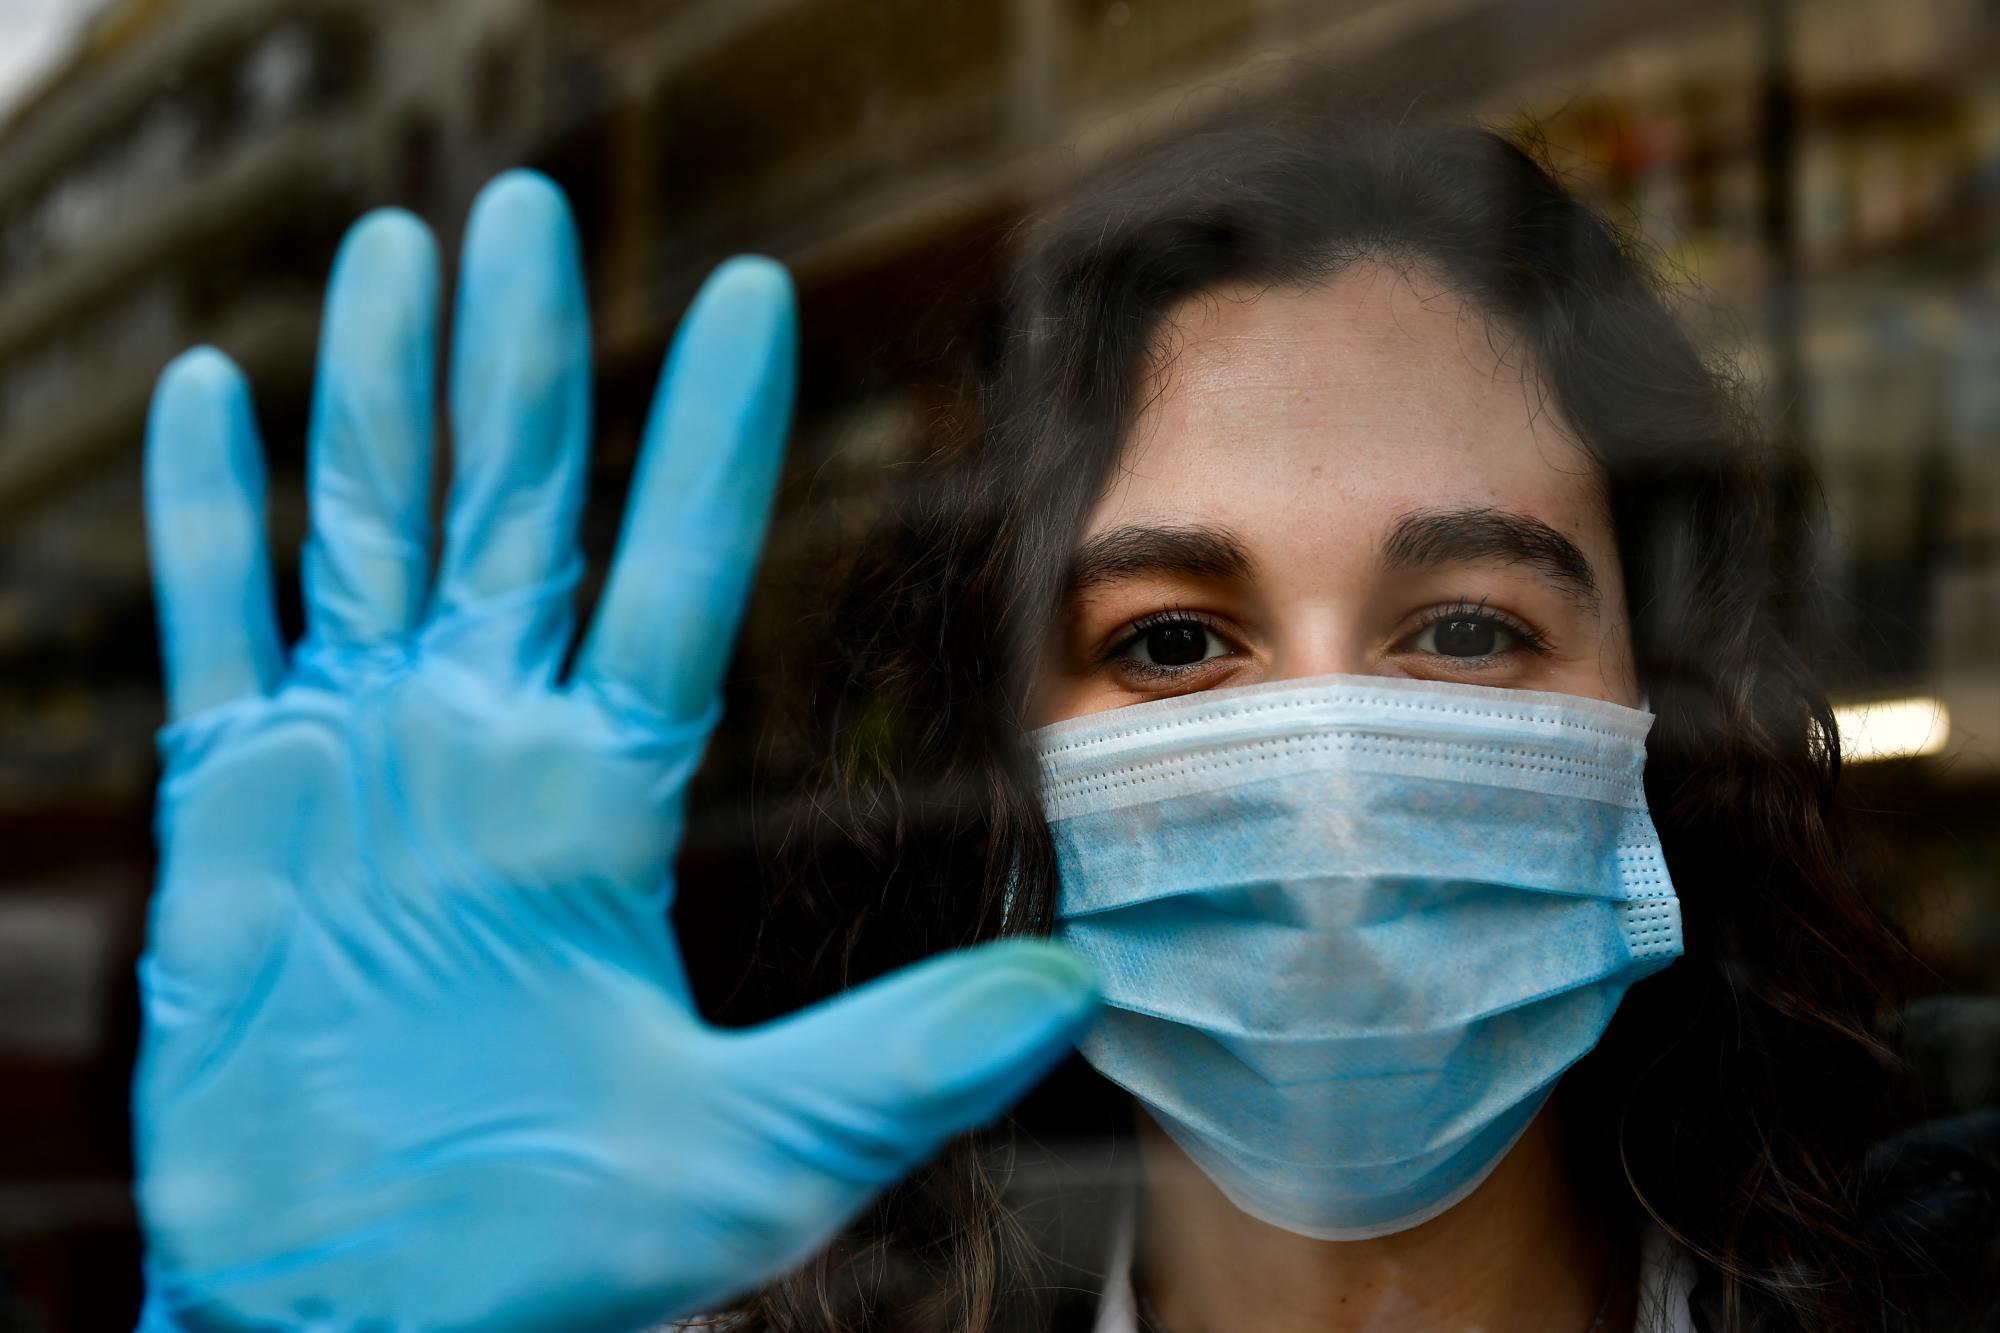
{"x":1358,"y":478}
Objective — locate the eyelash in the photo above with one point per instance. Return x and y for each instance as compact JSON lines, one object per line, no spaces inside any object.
{"x":1530,"y":638}
{"x":1152,"y":620}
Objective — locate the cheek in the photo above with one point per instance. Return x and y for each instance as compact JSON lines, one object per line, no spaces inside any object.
{"x":1059,"y":689}
{"x":1614,"y":663}
{"x":1061,"y":694}
{"x":1619,"y":666}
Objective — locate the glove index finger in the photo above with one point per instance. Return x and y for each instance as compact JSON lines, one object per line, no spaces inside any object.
{"x":701,"y":500}
{"x":205,"y":529}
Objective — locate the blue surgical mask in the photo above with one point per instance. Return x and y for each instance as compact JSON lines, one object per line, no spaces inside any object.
{"x":1351,"y":930}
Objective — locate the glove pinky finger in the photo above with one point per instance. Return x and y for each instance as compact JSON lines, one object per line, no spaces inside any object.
{"x":205,"y":530}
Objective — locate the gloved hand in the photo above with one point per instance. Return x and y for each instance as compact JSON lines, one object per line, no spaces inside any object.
{"x":418,"y":1050}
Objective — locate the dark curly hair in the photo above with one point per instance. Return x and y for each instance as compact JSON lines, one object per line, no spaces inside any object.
{"x":1732,"y":1097}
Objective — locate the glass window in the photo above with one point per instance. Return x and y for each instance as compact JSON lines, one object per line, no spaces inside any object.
{"x":1635,"y":358}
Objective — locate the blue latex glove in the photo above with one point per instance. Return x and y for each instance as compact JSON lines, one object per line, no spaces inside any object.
{"x":418,"y":1049}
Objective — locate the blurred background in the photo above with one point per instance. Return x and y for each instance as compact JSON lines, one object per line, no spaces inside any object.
{"x":1823,"y":174}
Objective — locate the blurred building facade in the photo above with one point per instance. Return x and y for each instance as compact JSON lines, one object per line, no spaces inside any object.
{"x":1827,"y":171}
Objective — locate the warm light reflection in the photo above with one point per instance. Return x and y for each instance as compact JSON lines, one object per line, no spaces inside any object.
{"x":1892,"y":729}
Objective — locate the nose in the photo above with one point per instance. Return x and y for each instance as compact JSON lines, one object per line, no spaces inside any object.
{"x":1318,"y":645}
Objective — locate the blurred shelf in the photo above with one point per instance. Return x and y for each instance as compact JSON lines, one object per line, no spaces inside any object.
{"x":273,"y":340}
{"x":206,"y":220}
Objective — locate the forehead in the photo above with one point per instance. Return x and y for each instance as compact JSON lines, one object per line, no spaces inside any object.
{"x":1341,"y":407}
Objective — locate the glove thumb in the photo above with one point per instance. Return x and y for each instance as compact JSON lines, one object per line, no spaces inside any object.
{"x":875,"y":1081}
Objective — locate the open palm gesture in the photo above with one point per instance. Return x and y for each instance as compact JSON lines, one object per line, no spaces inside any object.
{"x":418,"y":1048}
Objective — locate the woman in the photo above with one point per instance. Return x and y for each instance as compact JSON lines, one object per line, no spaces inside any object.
{"x":1296,"y":407}
{"x":1305,"y":334}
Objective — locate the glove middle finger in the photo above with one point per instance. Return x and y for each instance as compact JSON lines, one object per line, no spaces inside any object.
{"x":367,"y":561}
{"x":520,"y":408}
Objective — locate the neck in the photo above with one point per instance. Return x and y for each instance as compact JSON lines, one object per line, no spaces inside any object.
{"x":1520,"y":1253}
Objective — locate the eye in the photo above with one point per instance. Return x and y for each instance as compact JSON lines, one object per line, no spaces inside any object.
{"x":1169,"y":642}
{"x":1462,"y":636}
{"x":1472,"y":632}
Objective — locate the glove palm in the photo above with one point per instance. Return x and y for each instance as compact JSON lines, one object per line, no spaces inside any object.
{"x":418,"y":1049}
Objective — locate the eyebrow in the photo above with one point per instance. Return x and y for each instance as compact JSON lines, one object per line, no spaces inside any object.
{"x":1137,"y":550}
{"x":1462,"y":536}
